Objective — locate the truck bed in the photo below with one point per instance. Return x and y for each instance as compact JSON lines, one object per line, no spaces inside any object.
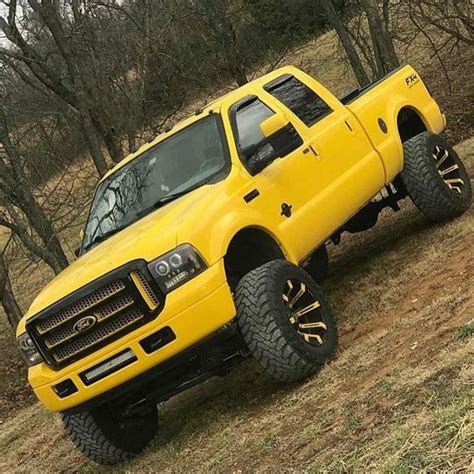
{"x":353,"y":94}
{"x":378,"y":108}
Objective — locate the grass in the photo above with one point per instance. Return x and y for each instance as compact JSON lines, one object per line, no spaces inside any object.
{"x":466,"y":331}
{"x":397,"y":398}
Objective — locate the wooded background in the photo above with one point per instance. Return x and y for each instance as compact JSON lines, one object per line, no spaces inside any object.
{"x":84,"y":81}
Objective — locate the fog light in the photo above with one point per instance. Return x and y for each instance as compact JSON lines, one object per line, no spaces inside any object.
{"x":108,"y":367}
{"x":65,"y":388}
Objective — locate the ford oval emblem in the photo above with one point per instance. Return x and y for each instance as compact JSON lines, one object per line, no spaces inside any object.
{"x":84,"y":323}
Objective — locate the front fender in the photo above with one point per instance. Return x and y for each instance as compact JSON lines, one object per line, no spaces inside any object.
{"x":213,"y":238}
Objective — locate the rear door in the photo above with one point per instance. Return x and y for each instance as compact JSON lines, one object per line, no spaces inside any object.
{"x":345,"y":170}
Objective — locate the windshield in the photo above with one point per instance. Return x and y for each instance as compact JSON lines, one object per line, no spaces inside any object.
{"x":175,"y":166}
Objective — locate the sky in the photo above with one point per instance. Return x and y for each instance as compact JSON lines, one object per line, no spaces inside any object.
{"x":3,"y":11}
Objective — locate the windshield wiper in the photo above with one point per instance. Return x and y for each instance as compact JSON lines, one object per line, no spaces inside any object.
{"x":170,"y":197}
{"x":104,"y":236}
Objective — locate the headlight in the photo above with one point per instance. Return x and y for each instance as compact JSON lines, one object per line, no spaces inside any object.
{"x":177,"y":267}
{"x":28,"y":349}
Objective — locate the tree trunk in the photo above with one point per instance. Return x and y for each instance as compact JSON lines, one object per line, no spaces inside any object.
{"x":381,"y":68}
{"x":18,"y":228}
{"x":218,"y":16}
{"x":93,"y":142}
{"x":40,"y":223}
{"x":111,"y":140}
{"x":48,"y":10}
{"x":132,"y":140}
{"x":232,"y":52}
{"x":9,"y":303}
{"x":114,"y":147}
{"x":335,"y":21}
{"x":384,"y":50}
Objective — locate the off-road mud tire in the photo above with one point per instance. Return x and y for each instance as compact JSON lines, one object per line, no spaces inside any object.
{"x":98,"y":435}
{"x":263,"y":322}
{"x":424,"y":184}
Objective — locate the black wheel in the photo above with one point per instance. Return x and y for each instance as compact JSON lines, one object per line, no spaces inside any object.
{"x":285,"y":320}
{"x":318,"y":264}
{"x":109,"y":435}
{"x":435,"y":178}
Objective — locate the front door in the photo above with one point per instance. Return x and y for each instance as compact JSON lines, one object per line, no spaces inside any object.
{"x":323,"y":181}
{"x":284,"y":187}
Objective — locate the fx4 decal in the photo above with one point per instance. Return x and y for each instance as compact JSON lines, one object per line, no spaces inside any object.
{"x":411,"y":80}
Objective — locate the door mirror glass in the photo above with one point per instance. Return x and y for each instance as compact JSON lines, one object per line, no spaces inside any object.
{"x":260,"y":157}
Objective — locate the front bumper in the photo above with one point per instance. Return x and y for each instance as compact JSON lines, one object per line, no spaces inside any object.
{"x":193,"y":312}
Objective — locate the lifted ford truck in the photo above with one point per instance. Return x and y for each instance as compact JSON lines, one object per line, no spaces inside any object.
{"x":202,"y":247}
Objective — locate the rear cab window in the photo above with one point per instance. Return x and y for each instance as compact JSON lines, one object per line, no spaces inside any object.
{"x":299,"y":98}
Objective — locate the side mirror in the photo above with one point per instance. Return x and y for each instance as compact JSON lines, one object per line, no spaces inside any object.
{"x":263,"y":154}
{"x":281,"y":138}
{"x":273,"y":125}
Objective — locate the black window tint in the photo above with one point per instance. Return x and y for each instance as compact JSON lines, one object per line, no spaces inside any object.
{"x":248,"y":120}
{"x":252,"y":143}
{"x":300,"y":99}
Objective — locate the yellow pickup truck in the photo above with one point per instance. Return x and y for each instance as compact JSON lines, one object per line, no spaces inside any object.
{"x":203,"y":247}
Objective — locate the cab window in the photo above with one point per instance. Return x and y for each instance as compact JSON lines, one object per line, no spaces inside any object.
{"x":252,"y":145}
{"x":299,"y":98}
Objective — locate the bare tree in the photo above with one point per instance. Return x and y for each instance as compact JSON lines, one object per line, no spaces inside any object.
{"x":382,"y":44}
{"x":335,"y":20}
{"x":219,"y":16}
{"x":16,"y":190}
{"x":69,"y":87}
{"x":9,"y":303}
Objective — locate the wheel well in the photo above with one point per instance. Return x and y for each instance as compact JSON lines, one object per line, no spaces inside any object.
{"x":409,"y":124}
{"x":249,"y":249}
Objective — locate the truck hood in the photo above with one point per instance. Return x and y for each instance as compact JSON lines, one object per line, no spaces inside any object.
{"x":148,"y":238}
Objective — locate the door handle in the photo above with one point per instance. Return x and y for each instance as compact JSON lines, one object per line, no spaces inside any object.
{"x":349,"y":126}
{"x":312,"y":149}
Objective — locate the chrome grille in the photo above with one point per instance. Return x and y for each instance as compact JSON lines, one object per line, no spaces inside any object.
{"x":104,"y":331}
{"x":80,"y":306}
{"x":55,"y":338}
{"x":117,"y":307}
